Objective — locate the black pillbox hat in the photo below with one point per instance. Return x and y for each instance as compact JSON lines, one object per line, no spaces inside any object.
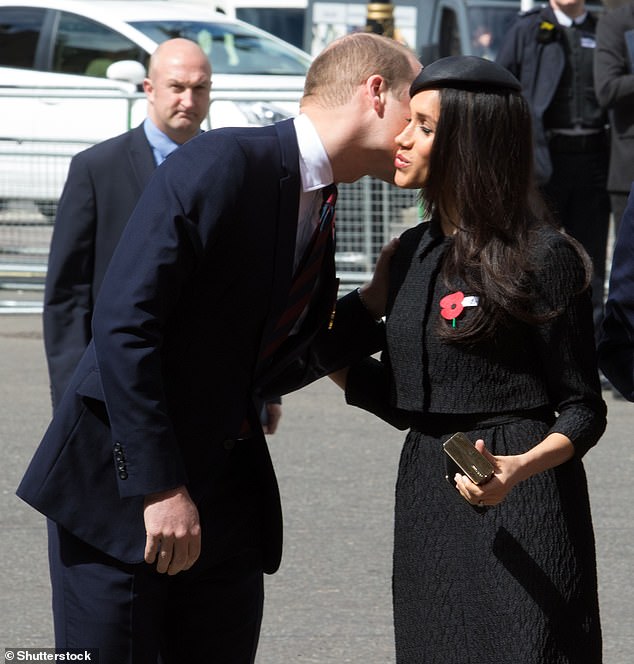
{"x":465,"y":72}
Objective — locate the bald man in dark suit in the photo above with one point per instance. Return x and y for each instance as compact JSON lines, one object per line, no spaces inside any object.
{"x":103,"y":186}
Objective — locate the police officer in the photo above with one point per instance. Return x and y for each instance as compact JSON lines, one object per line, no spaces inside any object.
{"x":551,"y":51}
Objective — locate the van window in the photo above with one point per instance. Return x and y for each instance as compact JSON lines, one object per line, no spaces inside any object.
{"x":232,"y":49}
{"x":287,"y":23}
{"x":19,"y":31}
{"x":85,"y":47}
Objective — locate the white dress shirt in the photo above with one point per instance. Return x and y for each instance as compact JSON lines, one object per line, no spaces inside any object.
{"x":316,"y":173}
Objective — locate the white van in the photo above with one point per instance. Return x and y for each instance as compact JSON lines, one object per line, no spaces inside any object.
{"x":70,"y":73}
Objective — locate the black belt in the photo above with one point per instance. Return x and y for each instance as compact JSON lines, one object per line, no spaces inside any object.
{"x":579,"y":143}
{"x":437,"y":424}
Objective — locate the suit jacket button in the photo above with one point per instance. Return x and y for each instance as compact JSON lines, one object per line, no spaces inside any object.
{"x":123,"y":475}
{"x":229,"y":444}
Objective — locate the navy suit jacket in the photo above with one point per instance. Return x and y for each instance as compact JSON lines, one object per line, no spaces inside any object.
{"x":103,"y":186}
{"x":616,"y":342}
{"x":161,"y":395}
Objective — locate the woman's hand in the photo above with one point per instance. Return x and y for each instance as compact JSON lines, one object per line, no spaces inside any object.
{"x":554,"y":450}
{"x":507,"y":473}
{"x":374,"y":294}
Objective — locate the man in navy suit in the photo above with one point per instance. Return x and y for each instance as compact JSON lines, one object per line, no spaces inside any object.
{"x":616,"y":342}
{"x":154,"y":473}
{"x":103,"y":186}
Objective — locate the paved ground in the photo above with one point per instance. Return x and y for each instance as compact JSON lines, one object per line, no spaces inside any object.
{"x":330,"y":602}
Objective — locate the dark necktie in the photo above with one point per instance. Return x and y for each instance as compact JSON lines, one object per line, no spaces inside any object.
{"x":307,"y":273}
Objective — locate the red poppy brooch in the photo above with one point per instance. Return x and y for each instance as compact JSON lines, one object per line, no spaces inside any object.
{"x":452,"y":305}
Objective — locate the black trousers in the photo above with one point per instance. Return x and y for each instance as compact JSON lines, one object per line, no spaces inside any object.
{"x":577,"y":194}
{"x":211,"y":613}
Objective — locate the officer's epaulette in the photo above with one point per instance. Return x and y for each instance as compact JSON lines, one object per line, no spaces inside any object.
{"x":532,"y":10}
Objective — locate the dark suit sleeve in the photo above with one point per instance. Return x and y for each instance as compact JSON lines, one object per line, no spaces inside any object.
{"x":368,"y":387}
{"x":68,"y":297}
{"x":165,"y":242}
{"x":510,"y":54}
{"x":353,"y":335}
{"x":613,"y":80}
{"x":370,"y":382}
{"x":616,"y":343}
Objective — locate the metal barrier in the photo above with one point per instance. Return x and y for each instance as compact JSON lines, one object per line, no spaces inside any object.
{"x":369,"y":213}
{"x":33,"y":170}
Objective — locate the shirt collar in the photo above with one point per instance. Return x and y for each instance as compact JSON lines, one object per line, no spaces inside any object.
{"x":566,"y":21}
{"x":314,"y":165}
{"x":162,"y":144}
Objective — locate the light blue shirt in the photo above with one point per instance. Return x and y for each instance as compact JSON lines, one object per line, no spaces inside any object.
{"x":162,"y":145}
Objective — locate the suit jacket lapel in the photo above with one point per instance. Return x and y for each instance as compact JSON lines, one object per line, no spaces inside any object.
{"x":141,"y":157}
{"x":320,"y":311}
{"x":286,"y":223}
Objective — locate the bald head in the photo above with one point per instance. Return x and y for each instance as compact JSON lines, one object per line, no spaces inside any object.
{"x":181,"y":52}
{"x":177,"y":88}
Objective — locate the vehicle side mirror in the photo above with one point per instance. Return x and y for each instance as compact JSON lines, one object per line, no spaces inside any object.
{"x":130,"y":71}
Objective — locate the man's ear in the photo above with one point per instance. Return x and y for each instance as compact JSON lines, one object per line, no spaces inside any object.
{"x":376,"y":90}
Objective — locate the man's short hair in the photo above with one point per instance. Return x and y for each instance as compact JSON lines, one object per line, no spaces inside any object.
{"x":349,"y":61}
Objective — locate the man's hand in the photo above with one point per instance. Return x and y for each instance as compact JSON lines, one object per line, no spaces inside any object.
{"x":172,"y":530}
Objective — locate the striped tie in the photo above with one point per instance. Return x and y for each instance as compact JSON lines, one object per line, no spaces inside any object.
{"x":307,"y":273}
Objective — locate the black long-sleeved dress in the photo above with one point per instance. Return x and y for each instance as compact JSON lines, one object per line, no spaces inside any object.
{"x":515,"y":583}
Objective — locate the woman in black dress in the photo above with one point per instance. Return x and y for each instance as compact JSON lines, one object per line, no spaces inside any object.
{"x":489,"y":331}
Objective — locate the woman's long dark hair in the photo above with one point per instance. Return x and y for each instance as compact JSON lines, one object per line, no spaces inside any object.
{"x":481,"y":173}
